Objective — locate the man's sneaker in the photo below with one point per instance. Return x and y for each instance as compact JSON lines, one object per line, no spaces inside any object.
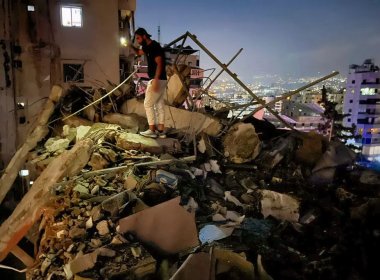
{"x":148,"y":133}
{"x":161,"y":134}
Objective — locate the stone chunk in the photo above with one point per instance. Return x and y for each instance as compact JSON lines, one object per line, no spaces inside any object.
{"x":76,"y":232}
{"x":279,"y":206}
{"x":53,"y":144}
{"x":241,"y":143}
{"x":132,"y":122}
{"x":97,"y":162}
{"x":102,"y":227}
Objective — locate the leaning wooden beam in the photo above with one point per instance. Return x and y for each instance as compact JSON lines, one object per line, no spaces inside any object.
{"x":34,"y":203}
{"x":35,"y":135}
{"x":148,"y":163}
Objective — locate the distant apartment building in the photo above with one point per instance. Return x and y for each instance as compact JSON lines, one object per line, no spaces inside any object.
{"x":277,"y":106}
{"x":362,"y":102}
{"x":47,"y":42}
{"x":305,"y":116}
{"x":307,"y":96}
{"x":315,"y":97}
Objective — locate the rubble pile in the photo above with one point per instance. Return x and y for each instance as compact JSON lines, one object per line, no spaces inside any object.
{"x":279,"y":212}
{"x":255,"y":203}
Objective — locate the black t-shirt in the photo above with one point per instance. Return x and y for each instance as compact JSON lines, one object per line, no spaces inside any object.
{"x":152,"y":51}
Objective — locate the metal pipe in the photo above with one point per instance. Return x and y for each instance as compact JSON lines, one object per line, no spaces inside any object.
{"x":177,"y":40}
{"x":286,"y":95}
{"x":234,"y":76}
{"x":180,"y":49}
{"x":221,"y":71}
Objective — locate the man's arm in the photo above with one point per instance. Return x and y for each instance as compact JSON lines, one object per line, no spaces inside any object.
{"x":157,"y":75}
{"x":137,"y":50}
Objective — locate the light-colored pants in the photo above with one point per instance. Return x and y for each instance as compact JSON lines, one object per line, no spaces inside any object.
{"x":154,"y":103}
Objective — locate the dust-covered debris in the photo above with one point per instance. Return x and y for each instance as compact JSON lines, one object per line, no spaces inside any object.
{"x":214,"y":200}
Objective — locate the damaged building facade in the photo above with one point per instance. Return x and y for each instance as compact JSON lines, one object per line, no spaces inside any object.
{"x":362,"y":103}
{"x":56,"y":42}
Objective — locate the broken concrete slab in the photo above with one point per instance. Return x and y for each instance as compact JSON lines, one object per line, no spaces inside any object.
{"x":167,"y":226}
{"x":279,"y":206}
{"x":30,"y":208}
{"x":191,"y":122}
{"x":178,"y":80}
{"x":241,"y":143}
{"x":131,"y":141}
{"x":114,"y":203}
{"x":76,"y":121}
{"x":87,"y":261}
{"x":55,"y":144}
{"x":337,"y":154}
{"x":311,"y":147}
{"x":131,"y":122}
{"x":97,"y":162}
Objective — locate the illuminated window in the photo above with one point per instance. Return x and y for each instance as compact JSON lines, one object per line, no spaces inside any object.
{"x":30,"y":8}
{"x":368,"y":91}
{"x":71,"y":16}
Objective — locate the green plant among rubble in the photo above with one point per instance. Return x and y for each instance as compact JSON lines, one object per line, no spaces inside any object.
{"x":334,"y":122}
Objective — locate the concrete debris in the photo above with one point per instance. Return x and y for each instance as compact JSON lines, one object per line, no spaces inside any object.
{"x":98,"y":162}
{"x":179,"y":80}
{"x":53,"y":145}
{"x":279,"y":206}
{"x":258,"y":203}
{"x":178,"y":118}
{"x":132,"y":122}
{"x":241,"y":143}
{"x":85,"y":262}
{"x":102,"y":228}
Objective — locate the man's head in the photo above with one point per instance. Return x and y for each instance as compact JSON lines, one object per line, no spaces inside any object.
{"x":142,"y":37}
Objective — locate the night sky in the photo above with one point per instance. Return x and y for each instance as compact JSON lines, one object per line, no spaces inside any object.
{"x":284,"y":37}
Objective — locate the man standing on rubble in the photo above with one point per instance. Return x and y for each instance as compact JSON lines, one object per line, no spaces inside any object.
{"x":156,"y":89}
